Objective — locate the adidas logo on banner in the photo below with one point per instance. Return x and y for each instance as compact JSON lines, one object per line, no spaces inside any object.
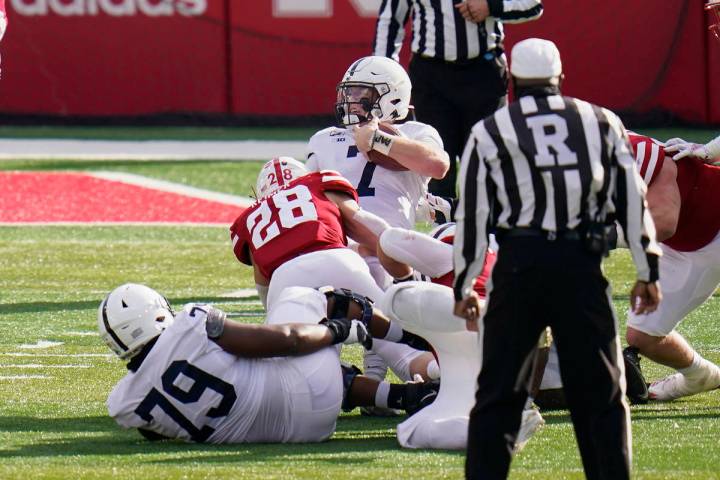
{"x":114,"y":8}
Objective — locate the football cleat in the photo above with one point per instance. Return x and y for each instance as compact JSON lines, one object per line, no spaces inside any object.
{"x":419,"y":395}
{"x":678,"y":385}
{"x":637,"y":387}
{"x":531,"y":422}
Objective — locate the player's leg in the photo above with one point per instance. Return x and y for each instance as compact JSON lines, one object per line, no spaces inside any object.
{"x":421,"y":252}
{"x":363,"y":391}
{"x":340,"y":267}
{"x":689,"y":278}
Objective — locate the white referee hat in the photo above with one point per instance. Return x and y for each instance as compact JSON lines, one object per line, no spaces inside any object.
{"x":536,"y":58}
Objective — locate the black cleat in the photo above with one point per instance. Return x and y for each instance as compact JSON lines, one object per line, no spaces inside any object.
{"x":637,"y":387}
{"x":419,"y":395}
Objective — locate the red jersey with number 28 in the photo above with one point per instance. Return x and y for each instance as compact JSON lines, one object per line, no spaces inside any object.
{"x":295,"y":220}
{"x":699,"y":186}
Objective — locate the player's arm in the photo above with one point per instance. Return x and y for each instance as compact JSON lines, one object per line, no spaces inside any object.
{"x":509,"y":11}
{"x":421,"y":155}
{"x":247,"y":340}
{"x":663,"y":199}
{"x":360,"y":225}
{"x":262,"y":283}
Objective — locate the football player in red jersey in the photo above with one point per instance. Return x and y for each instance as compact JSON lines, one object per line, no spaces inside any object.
{"x":296,"y":231}
{"x":295,"y":235}
{"x":681,"y":197}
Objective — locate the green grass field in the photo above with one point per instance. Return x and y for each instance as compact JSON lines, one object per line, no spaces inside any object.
{"x":53,"y":421}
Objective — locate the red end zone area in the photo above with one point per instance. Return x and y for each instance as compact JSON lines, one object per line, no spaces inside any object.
{"x":61,"y":197}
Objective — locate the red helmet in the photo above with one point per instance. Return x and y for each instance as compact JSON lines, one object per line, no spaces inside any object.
{"x":713,"y":6}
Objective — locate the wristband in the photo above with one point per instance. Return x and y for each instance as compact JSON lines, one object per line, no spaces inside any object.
{"x":382,"y":142}
{"x":214,"y":323}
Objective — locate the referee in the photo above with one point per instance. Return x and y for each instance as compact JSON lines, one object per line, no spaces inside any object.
{"x":458,"y":68}
{"x":546,"y":174}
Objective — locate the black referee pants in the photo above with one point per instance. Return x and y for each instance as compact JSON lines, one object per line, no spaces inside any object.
{"x":537,"y":282}
{"x":452,"y":98}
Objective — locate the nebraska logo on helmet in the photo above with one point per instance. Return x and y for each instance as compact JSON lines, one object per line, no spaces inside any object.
{"x":276,"y":174}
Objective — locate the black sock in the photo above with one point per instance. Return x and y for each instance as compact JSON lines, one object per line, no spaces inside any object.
{"x":396,"y":396}
{"x":415,"y":341}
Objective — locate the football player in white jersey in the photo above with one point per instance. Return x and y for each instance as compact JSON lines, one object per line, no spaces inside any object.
{"x":197,"y":376}
{"x":374,"y":93}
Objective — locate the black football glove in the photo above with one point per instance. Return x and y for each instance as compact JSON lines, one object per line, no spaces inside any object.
{"x":348,"y":332}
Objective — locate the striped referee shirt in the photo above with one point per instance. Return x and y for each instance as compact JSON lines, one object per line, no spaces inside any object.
{"x":549,"y":162}
{"x":439,"y":31}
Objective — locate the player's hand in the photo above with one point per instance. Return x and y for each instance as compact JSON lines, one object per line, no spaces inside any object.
{"x":645,"y":297}
{"x":439,"y":204}
{"x":679,"y":148}
{"x":364,"y":135}
{"x":475,"y":11}
{"x":347,"y":331}
{"x":469,"y":308}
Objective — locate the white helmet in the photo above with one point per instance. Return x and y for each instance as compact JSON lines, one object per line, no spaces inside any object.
{"x":131,"y":316}
{"x":379,"y":85}
{"x":277,"y":173}
{"x":444,"y":232}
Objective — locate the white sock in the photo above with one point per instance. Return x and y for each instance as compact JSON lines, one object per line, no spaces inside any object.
{"x":394,"y":333}
{"x":433,"y":370}
{"x":694,"y":368}
{"x":381,"y":395}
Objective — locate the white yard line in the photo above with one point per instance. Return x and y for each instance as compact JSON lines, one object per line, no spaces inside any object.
{"x":39,"y":366}
{"x":79,"y":334}
{"x":152,"y":150}
{"x":172,"y":187}
{"x":22,"y":377}
{"x":57,"y":355}
{"x":40,"y":345}
{"x":241,"y":293}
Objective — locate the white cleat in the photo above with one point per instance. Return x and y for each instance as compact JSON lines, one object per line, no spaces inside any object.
{"x":532,"y":421}
{"x":678,"y":385}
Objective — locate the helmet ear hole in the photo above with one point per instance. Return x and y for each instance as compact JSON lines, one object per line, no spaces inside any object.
{"x":131,"y":316}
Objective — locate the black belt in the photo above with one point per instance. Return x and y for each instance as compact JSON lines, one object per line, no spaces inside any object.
{"x":502,"y":234}
{"x":487,"y":57}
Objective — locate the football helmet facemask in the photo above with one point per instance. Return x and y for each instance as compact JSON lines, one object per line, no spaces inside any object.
{"x":713,"y":6}
{"x":373,"y":87}
{"x":277,"y":173}
{"x":132,"y":315}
